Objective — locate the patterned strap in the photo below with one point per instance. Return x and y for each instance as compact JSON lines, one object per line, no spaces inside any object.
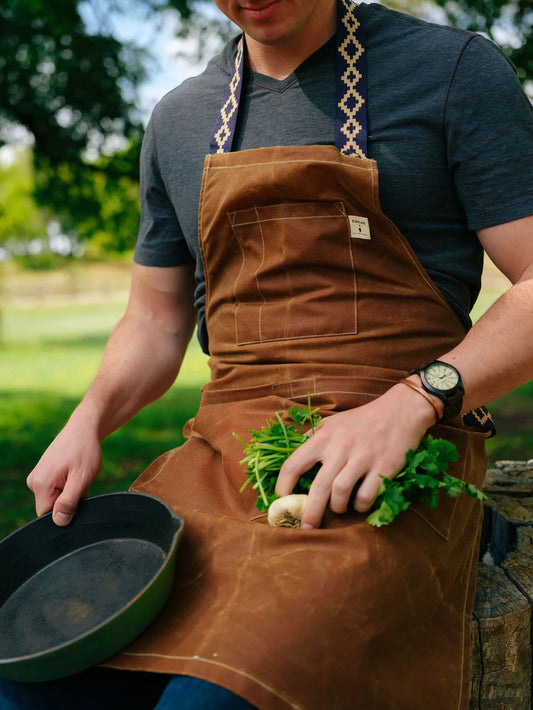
{"x":222,"y":139}
{"x":351,"y":70}
{"x":350,"y":114}
{"x":480,"y":419}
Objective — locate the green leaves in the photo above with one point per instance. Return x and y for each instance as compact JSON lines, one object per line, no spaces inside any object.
{"x":392,"y":504}
{"x":268,"y":449}
{"x":421,"y":480}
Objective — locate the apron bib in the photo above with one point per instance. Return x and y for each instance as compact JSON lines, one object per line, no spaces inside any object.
{"x":310,"y":289}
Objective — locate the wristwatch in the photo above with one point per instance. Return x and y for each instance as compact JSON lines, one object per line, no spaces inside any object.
{"x":444,"y":381}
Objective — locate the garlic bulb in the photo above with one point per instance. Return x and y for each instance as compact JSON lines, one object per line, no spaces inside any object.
{"x":286,"y":512}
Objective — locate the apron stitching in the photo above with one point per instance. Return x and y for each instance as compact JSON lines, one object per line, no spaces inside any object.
{"x":375,"y":188}
{"x":256,"y":273}
{"x":279,"y":219}
{"x":309,"y":378}
{"x":280,"y":338}
{"x":235,"y":296}
{"x":429,"y":281}
{"x":293,"y":385}
{"x":342,"y":209}
{"x":466,"y":622}
{"x":317,"y":161}
{"x":351,"y":249}
{"x":444,"y":534}
{"x":146,"y":483}
{"x":200,"y":222}
{"x":164,"y":459}
{"x":463,"y":640}
{"x":284,"y":697}
{"x":354,"y":392}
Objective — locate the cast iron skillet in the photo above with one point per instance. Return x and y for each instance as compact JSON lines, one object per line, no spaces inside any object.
{"x":72,"y":597}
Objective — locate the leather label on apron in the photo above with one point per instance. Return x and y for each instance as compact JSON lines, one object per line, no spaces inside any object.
{"x":359,"y":227}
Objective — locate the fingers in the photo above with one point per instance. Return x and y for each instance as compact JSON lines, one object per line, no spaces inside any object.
{"x":61,"y":479}
{"x":333,"y":483}
{"x":368,"y":491}
{"x":336,"y":490}
{"x":300,"y":461}
{"x":59,"y":495}
{"x":329,"y":486}
{"x":326,"y":489}
{"x":344,"y":469}
{"x":45,"y":489}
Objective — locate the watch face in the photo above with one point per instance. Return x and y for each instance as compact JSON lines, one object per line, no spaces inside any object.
{"x":441,"y":376}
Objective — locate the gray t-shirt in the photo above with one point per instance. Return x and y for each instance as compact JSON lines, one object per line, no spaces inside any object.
{"x":449,"y":126}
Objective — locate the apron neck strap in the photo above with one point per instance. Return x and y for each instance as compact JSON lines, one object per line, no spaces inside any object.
{"x":350,"y":69}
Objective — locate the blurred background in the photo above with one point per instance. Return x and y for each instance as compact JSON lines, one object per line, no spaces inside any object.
{"x":78,"y":80}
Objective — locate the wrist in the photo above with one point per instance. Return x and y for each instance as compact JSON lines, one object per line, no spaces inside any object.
{"x":87,"y":418}
{"x":414,"y":383}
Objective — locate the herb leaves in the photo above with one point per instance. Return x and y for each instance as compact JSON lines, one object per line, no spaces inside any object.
{"x":420,"y":481}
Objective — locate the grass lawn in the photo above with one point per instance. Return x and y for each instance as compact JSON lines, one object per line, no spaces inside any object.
{"x":55,"y":326}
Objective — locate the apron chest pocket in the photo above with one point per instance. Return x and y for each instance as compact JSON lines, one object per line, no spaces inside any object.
{"x":296,"y":277}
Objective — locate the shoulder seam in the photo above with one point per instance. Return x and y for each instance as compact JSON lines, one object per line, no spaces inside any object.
{"x":452,"y":75}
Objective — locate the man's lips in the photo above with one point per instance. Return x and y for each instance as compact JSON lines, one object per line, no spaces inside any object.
{"x":261,"y":10}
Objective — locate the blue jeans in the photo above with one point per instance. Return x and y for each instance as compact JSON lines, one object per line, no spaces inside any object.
{"x":107,"y":689}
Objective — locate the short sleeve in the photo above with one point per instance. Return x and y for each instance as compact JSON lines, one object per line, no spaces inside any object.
{"x":160,"y":241}
{"x":489,"y":126}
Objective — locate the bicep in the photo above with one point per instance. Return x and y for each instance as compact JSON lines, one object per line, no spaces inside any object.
{"x":510,"y":247}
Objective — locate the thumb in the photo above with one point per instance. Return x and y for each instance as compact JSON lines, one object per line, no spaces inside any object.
{"x":66,"y":505}
{"x":61,"y":518}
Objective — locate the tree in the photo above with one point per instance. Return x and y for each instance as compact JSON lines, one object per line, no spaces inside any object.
{"x":71,"y":90}
{"x":98,"y":201}
{"x":75,"y":91}
{"x":19,"y":215}
{"x":74,"y":88}
{"x":507,"y":22}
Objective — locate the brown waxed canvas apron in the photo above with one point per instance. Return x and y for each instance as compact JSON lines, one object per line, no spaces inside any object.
{"x":311,"y":290}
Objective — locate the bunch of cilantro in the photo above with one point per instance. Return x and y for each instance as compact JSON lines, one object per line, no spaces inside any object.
{"x":422,"y":479}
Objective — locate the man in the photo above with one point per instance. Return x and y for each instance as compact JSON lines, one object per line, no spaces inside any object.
{"x":305,"y":284}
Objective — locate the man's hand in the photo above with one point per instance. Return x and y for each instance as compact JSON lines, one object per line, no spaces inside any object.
{"x":359,"y":444}
{"x":64,"y":473}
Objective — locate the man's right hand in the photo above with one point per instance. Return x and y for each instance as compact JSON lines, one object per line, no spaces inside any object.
{"x":64,"y":473}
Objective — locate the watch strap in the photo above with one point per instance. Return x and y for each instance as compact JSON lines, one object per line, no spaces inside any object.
{"x":439,"y":411}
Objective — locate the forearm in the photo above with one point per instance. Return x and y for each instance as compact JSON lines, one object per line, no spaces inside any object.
{"x":496,"y":355}
{"x":140,"y":362}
